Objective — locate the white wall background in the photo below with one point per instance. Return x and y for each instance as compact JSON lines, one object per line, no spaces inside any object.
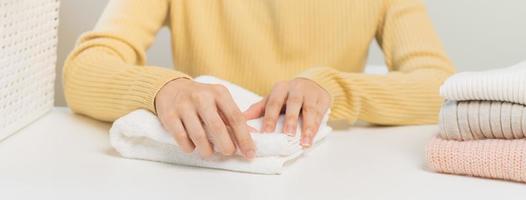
{"x":477,"y":34}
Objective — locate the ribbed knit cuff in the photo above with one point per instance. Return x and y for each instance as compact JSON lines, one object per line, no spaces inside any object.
{"x":327,"y":78}
{"x":144,"y":81}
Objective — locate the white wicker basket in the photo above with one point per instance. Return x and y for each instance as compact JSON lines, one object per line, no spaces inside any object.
{"x":28,"y":41}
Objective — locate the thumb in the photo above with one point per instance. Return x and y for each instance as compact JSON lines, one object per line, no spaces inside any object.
{"x":255,"y":110}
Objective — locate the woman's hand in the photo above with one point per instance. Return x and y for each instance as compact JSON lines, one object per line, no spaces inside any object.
{"x":199,"y":116}
{"x":292,"y":97}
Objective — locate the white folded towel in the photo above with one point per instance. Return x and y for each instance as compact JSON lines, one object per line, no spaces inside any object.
{"x":140,"y":135}
{"x":504,"y":84}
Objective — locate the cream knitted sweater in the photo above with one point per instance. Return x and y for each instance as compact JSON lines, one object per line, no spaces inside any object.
{"x":472,"y":120}
{"x":504,"y":84}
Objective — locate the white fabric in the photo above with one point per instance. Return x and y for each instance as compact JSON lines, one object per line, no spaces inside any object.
{"x":140,"y":135}
{"x":504,"y":84}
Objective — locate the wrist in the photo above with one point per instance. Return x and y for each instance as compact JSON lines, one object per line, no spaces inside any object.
{"x":320,"y":87}
{"x":170,"y":87}
{"x":324,"y":78}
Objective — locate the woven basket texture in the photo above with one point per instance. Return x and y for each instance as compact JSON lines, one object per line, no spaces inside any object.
{"x":28,"y":42}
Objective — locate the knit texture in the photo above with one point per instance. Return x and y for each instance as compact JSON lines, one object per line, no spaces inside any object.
{"x":256,"y":43}
{"x":482,"y":125}
{"x":491,"y":158}
{"x":472,"y":120}
{"x":504,"y":84}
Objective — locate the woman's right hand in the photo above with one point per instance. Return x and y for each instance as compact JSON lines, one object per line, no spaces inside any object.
{"x":199,"y":116}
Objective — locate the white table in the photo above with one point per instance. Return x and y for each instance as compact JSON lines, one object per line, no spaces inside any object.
{"x":66,"y":156}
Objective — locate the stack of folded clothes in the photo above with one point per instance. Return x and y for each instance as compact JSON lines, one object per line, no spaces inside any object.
{"x":483,"y":125}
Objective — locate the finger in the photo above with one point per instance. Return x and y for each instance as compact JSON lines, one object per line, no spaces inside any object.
{"x":250,"y":130}
{"x":216,"y":129}
{"x":237,"y":123}
{"x":311,"y":120}
{"x":193,"y":126}
{"x":293,"y":107}
{"x":176,"y":128}
{"x":323,"y":105}
{"x":255,"y":110}
{"x":273,"y":107}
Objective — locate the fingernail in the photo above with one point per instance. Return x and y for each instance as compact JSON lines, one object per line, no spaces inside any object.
{"x":305,"y":142}
{"x":290,"y":131}
{"x":250,"y":154}
{"x":267,"y":129}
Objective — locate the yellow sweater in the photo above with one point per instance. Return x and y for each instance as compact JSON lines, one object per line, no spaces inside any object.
{"x":255,"y":43}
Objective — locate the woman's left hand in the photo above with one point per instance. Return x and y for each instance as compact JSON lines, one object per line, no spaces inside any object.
{"x":293,"y":97}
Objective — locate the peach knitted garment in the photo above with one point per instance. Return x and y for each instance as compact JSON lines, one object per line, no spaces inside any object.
{"x":490,"y":158}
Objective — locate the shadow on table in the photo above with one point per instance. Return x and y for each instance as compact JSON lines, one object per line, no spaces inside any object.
{"x":339,"y":125}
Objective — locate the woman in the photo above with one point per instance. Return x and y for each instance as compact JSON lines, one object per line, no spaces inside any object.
{"x":311,"y":51}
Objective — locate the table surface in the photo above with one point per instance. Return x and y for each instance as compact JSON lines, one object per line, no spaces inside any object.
{"x":65,"y":156}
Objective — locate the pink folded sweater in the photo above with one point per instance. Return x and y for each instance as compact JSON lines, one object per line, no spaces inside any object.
{"x":490,"y":158}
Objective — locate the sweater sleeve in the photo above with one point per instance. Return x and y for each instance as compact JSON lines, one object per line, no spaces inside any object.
{"x":105,"y":76}
{"x":408,"y":94}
